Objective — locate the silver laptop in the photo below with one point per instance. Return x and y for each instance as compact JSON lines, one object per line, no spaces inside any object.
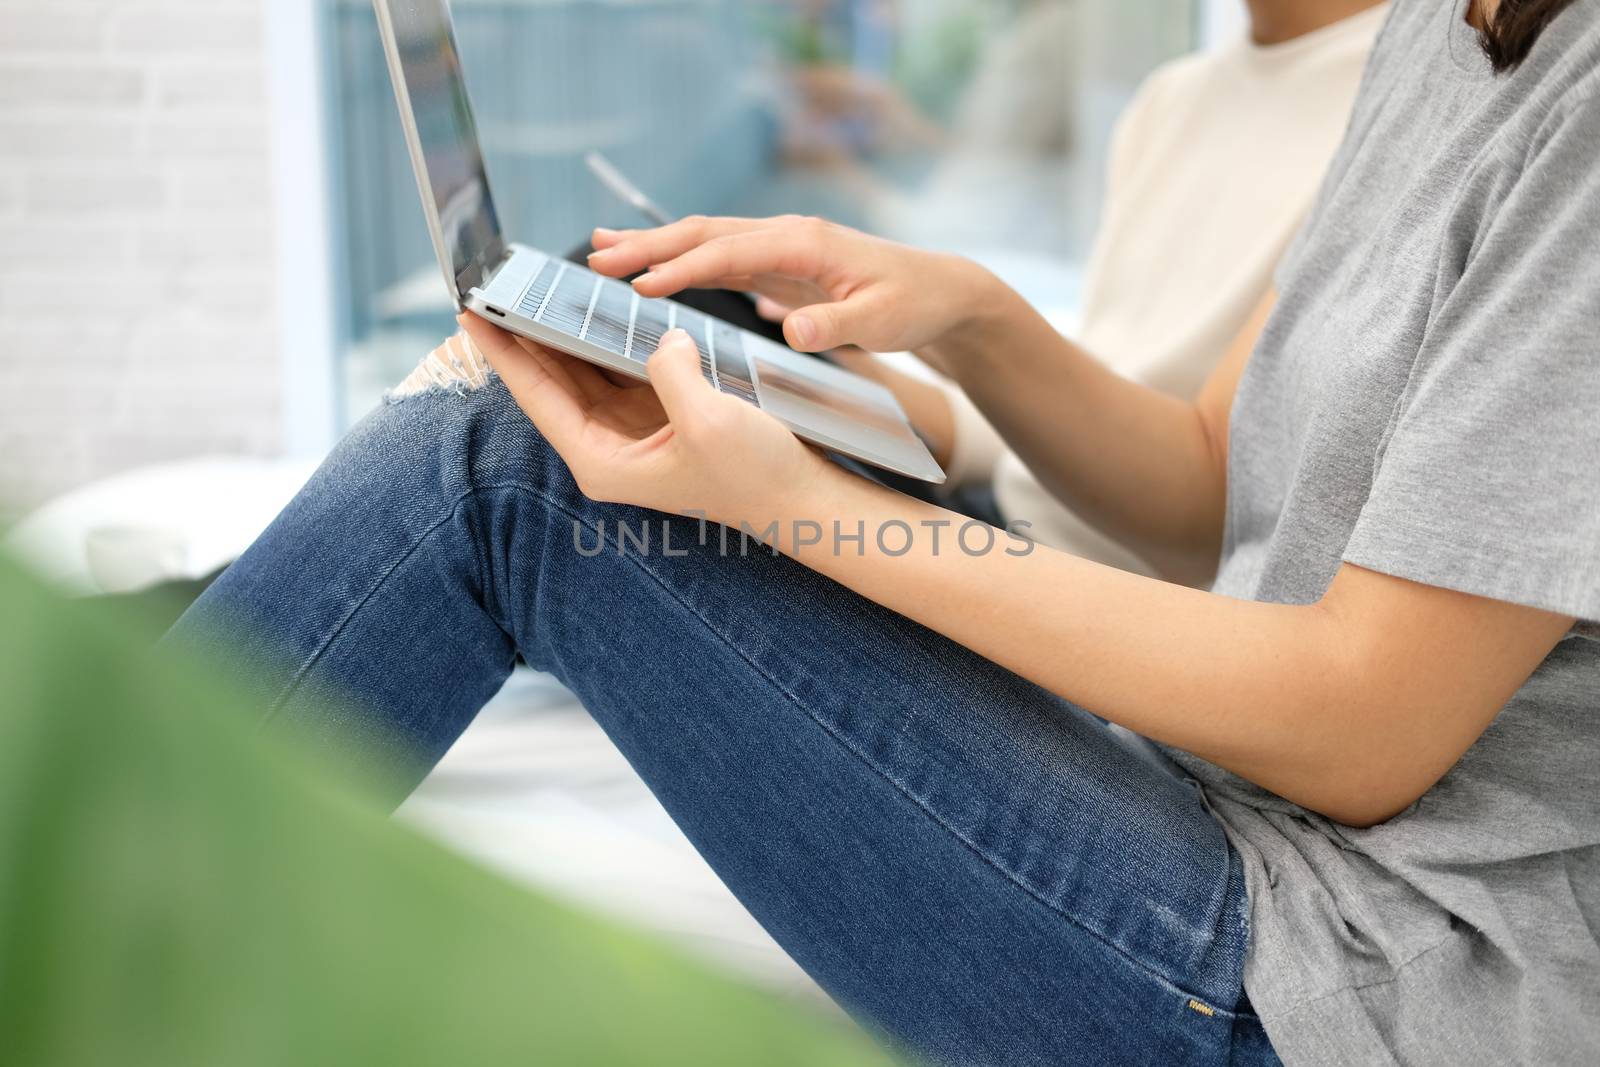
{"x":598,"y":319}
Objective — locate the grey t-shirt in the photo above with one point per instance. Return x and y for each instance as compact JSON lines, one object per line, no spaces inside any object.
{"x":1425,"y":402}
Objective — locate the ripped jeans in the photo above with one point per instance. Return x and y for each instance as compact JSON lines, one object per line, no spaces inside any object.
{"x":978,"y":871}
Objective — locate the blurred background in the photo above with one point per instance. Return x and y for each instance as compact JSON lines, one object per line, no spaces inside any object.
{"x":226,"y":180}
{"x":213,"y":261}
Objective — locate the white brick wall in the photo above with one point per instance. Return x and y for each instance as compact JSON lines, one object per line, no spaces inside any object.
{"x":134,"y":148}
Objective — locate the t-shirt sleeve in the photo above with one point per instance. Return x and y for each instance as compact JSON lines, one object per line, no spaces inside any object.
{"x":1489,"y":480}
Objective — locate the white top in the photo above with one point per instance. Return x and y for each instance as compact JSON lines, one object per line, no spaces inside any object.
{"x":1213,"y":168}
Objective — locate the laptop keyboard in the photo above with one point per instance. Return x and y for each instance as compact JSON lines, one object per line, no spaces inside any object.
{"x":610,"y":315}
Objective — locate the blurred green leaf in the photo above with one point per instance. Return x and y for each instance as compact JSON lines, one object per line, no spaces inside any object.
{"x":175,"y":890}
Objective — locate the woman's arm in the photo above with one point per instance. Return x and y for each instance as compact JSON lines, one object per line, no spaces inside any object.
{"x":1352,"y":707}
{"x":1147,"y":469}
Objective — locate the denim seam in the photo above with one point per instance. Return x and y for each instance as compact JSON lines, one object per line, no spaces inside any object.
{"x":1242,"y":918}
{"x":899,"y":786}
{"x":338,"y":631}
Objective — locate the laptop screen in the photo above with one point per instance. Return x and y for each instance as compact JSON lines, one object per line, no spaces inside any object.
{"x":423,"y":52}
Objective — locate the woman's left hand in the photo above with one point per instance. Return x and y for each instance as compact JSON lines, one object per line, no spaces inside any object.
{"x":673,"y":444}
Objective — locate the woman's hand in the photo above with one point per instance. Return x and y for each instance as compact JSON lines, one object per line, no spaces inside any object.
{"x":844,"y":287}
{"x":674,"y":444}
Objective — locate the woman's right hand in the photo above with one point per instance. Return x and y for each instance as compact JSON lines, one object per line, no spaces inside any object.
{"x":845,"y":287}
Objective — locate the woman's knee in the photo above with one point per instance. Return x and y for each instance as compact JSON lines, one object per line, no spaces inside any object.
{"x":453,"y":423}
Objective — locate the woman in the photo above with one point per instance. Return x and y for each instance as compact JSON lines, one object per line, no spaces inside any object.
{"x":1376,"y":837}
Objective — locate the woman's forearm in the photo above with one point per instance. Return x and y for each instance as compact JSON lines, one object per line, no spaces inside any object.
{"x":1166,"y":661}
{"x":1351,"y":707}
{"x":1144,"y":468}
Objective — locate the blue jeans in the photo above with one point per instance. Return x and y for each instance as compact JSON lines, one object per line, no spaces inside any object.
{"x":977,"y":870}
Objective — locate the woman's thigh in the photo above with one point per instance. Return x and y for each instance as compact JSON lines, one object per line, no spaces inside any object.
{"x":966,"y":862}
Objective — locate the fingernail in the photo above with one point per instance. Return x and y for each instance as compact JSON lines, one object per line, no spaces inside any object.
{"x":804,"y":330}
{"x":601,"y":231}
{"x":648,"y":276}
{"x":677,"y":338}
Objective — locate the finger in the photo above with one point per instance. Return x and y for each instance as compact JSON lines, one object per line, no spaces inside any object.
{"x":679,"y":382}
{"x":863,"y":320}
{"x":788,"y":292}
{"x":790,"y":251}
{"x":785,"y":292}
{"x":603,"y":238}
{"x":637,"y":250}
{"x":535,"y":381}
{"x":585,"y":377}
{"x":771,"y":310}
{"x":853,"y":358}
{"x":631,"y":251}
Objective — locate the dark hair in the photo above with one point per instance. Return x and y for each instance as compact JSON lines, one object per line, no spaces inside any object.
{"x":1515,"y":29}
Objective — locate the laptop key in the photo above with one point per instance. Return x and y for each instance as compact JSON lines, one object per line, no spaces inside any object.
{"x":741,"y":393}
{"x":568,"y":307}
{"x":648,"y":329}
{"x":533,"y":299}
{"x":608,"y":323}
{"x":733,"y":366}
{"x":694,"y":324}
